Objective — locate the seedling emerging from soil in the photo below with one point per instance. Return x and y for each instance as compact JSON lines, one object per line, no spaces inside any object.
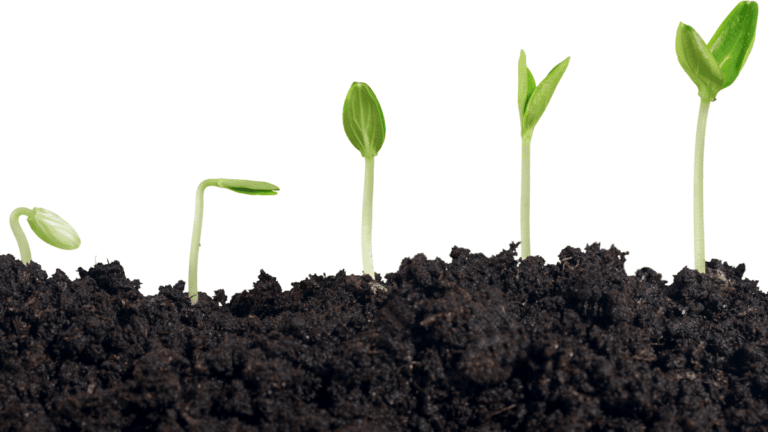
{"x":365,"y":128}
{"x":49,"y":226}
{"x":713,"y":67}
{"x":247,"y":187}
{"x":532,"y":100}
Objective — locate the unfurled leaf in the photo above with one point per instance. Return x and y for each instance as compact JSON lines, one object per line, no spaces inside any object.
{"x":539,"y":98}
{"x":733,"y":40}
{"x":364,"y":120}
{"x":52,"y":229}
{"x":698,"y":62}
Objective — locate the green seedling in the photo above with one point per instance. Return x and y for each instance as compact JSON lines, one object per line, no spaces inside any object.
{"x":532,"y":100}
{"x":49,"y":226}
{"x":713,"y":67}
{"x":365,"y":128}
{"x":247,"y":187}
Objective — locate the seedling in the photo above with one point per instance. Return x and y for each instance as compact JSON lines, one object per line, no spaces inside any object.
{"x":713,"y":67}
{"x":247,"y":187}
{"x":49,"y":226}
{"x":532,"y":100}
{"x":365,"y":128}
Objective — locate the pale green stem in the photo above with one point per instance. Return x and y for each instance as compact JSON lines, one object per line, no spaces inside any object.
{"x":525,"y":199}
{"x":698,"y":189}
{"x":368,"y":218}
{"x":197,"y":228}
{"x":21,"y":239}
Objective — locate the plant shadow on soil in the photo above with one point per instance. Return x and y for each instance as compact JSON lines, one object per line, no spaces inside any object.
{"x":480,"y":344}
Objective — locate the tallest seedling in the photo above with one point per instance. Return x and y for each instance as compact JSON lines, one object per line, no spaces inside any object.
{"x":713,"y":67}
{"x":532,"y":100}
{"x":364,"y":126}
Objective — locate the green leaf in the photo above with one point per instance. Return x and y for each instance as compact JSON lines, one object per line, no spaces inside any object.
{"x":540,"y":97}
{"x":52,"y":229}
{"x":525,"y":85}
{"x":364,"y":120}
{"x":733,"y":40}
{"x":248,"y":187}
{"x":698,"y":62}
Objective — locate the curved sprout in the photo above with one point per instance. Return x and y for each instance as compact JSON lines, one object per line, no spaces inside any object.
{"x":48,"y":226}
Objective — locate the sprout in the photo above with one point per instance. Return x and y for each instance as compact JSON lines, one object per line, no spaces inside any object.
{"x":49,"y":226}
{"x":713,"y":67}
{"x":365,"y":128}
{"x":532,"y":100}
{"x":247,"y":187}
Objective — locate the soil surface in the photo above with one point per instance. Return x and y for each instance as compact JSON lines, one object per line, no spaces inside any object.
{"x":479,"y":344}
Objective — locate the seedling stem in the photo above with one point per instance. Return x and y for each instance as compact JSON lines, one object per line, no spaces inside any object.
{"x":368,"y":218}
{"x":525,"y":198}
{"x":698,"y":187}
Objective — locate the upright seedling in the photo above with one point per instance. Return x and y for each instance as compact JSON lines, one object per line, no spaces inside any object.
{"x":49,"y":226}
{"x":532,"y":100}
{"x":365,"y":128}
{"x":247,"y":187}
{"x":713,"y":67}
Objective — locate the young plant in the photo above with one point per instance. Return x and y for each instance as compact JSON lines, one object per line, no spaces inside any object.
{"x":532,"y":100}
{"x":713,"y":67}
{"x":365,"y":128}
{"x":49,"y":226}
{"x":247,"y":187}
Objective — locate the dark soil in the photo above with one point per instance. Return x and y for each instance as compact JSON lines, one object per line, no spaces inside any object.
{"x":480,"y":344}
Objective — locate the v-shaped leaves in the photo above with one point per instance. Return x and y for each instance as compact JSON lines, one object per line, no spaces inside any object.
{"x":536,"y":97}
{"x":716,"y":65}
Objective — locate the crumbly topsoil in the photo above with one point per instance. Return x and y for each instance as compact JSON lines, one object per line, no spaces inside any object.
{"x":480,"y":344}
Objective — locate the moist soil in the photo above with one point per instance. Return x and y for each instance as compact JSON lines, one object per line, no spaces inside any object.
{"x":477,"y":344}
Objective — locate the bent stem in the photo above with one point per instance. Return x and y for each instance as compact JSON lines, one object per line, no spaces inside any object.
{"x":196,"y":232}
{"x":525,"y":198}
{"x":368,"y":218}
{"x":698,"y":188}
{"x":247,"y":187}
{"x":21,"y":239}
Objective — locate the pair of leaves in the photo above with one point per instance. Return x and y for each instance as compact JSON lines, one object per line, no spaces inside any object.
{"x":532,"y":100}
{"x":364,"y":120}
{"x":248,"y":187}
{"x":52,"y":229}
{"x":715,"y":66}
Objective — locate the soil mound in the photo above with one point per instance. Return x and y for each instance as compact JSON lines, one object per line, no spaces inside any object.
{"x":477,"y":344}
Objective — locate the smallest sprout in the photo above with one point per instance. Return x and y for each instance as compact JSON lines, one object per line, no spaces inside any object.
{"x":247,"y":187}
{"x":49,"y":226}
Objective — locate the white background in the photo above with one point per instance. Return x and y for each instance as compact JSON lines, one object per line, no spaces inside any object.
{"x":111,"y":114}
